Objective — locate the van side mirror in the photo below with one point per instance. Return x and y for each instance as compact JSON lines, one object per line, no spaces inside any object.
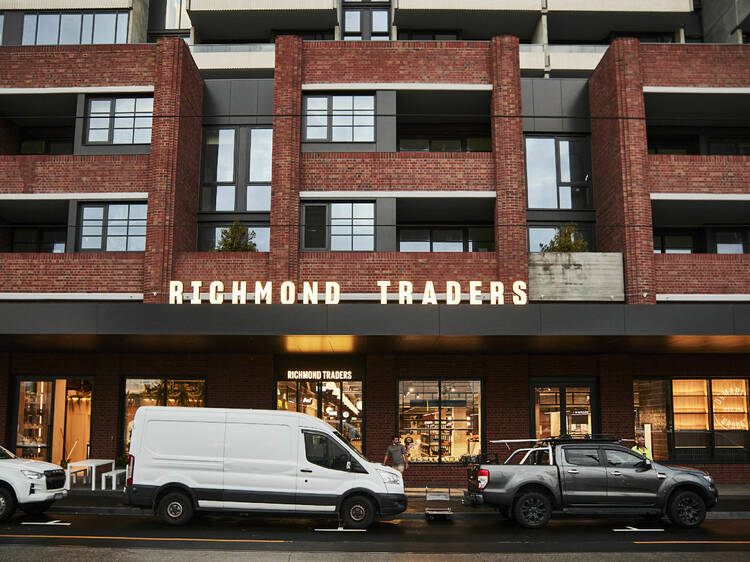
{"x":645,"y":464}
{"x":349,"y":464}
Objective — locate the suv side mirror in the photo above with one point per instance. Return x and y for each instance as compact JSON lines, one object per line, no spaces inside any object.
{"x":645,"y":464}
{"x":349,"y":464}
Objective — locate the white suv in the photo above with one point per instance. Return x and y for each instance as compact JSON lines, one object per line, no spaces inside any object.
{"x":30,"y":485}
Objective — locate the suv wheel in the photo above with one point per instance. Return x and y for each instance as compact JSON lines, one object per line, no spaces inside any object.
{"x":532,"y":510}
{"x":358,"y":512}
{"x":175,"y":508}
{"x":7,"y":503}
{"x":687,"y":509}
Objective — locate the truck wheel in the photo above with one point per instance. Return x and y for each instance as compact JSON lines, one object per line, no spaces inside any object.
{"x":7,"y":503}
{"x":358,"y":512}
{"x":687,"y":509}
{"x":175,"y":508}
{"x":532,"y":510}
{"x":36,"y":508}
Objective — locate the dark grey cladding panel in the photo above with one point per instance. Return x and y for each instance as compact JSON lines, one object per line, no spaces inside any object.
{"x":265,"y":101}
{"x":119,"y":318}
{"x":246,"y":101}
{"x":687,"y":319}
{"x":592,"y":319}
{"x":486,"y":319}
{"x":383,"y":320}
{"x":742,"y":319}
{"x":249,"y":319}
{"x":243,"y":100}
{"x":555,"y":105}
{"x":47,"y":318}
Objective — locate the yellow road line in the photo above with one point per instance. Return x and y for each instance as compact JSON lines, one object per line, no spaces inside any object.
{"x":177,"y":539}
{"x":691,"y":542}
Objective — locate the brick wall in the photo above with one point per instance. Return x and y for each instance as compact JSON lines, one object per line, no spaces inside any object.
{"x":431,"y":62}
{"x":695,"y":65}
{"x":698,"y":174}
{"x":699,"y":273}
{"x":221,"y":266}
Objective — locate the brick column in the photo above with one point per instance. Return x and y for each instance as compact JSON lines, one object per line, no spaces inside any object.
{"x":508,"y":150}
{"x":105,"y":407}
{"x":619,"y":160}
{"x":175,"y":164}
{"x":285,"y":184}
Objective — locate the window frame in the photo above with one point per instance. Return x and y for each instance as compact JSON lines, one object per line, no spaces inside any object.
{"x":439,"y":381}
{"x":329,"y":118}
{"x":563,"y":383}
{"x":366,"y":9}
{"x":104,"y":205}
{"x":112,"y":116}
{"x":304,"y":204}
{"x":466,"y":239}
{"x":83,"y":13}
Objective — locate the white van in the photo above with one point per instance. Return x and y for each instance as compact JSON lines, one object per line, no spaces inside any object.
{"x":276,"y":462}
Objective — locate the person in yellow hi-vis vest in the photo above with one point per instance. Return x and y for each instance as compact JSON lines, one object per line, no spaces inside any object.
{"x":640,"y":447}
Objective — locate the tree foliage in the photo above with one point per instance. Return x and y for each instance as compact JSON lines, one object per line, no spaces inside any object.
{"x":237,"y":238}
{"x":567,"y":239}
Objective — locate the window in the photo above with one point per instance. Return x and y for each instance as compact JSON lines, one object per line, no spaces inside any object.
{"x":708,"y":418}
{"x":446,"y":239}
{"x":732,"y":242}
{"x":176,"y":16}
{"x":558,"y":173}
{"x":582,"y":457}
{"x":119,"y":120}
{"x":340,"y":118}
{"x":562,"y":409}
{"x":75,"y":28}
{"x":113,"y":227}
{"x":673,"y":243}
{"x":367,"y":20}
{"x":424,"y":35}
{"x":2,"y":24}
{"x":541,"y":235}
{"x":339,"y":227}
{"x":324,"y":451}
{"x":440,"y":421}
{"x":42,"y":240}
{"x":209,"y":236}
{"x":160,"y":392}
{"x":444,"y":144}
{"x":622,"y":459}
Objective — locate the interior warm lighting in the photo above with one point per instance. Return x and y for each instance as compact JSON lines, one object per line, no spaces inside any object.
{"x":319,"y":344}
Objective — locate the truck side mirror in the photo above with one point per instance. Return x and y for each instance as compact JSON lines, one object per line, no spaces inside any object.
{"x":349,"y":464}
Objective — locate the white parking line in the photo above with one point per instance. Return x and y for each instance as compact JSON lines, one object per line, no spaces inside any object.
{"x":342,"y":530}
{"x":55,"y":522}
{"x":629,"y":529}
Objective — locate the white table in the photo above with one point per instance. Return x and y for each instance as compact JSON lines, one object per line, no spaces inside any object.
{"x":89,"y":464}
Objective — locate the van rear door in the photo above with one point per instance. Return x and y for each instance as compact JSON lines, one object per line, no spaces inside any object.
{"x":260,"y":462}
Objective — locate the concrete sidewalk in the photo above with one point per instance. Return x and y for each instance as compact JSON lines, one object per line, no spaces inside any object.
{"x":734,"y":503}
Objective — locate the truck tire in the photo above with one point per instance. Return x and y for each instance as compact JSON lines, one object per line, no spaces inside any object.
{"x":687,"y":509}
{"x":35,"y":508}
{"x":532,"y":510}
{"x":358,"y":512}
{"x":175,"y":508}
{"x":7,"y":503}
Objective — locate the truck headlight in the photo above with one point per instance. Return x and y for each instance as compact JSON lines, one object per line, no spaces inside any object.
{"x":31,"y":474}
{"x":708,"y":478}
{"x":389,"y":477}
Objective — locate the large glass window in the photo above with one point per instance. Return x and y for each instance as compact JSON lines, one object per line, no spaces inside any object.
{"x":113,"y":227}
{"x":119,"y":120}
{"x":558,"y":173}
{"x":340,"y":118}
{"x":176,"y":16}
{"x":189,"y":393}
{"x":367,"y":20}
{"x":75,"y":28}
{"x":440,"y":421}
{"x":562,"y":409}
{"x":339,"y":226}
{"x":541,"y":235}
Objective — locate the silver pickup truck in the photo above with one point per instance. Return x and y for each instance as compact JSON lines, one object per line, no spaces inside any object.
{"x":589,"y":477}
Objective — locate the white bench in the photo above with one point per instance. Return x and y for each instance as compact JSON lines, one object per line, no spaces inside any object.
{"x":76,"y":471}
{"x":114,"y":475}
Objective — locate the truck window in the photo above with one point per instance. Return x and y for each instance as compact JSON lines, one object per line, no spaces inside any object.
{"x":323,"y":451}
{"x":582,"y":457}
{"x":622,"y":459}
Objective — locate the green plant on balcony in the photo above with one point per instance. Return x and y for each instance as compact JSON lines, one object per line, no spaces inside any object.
{"x":237,"y":238}
{"x":567,"y":239}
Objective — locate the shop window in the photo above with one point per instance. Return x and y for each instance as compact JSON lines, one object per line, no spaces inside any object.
{"x":112,"y":227}
{"x":562,"y":409}
{"x":709,"y":418}
{"x":338,"y":403}
{"x":160,"y":392}
{"x":340,"y":118}
{"x":119,"y":120}
{"x":558,"y":173}
{"x":75,"y":28}
{"x":440,"y":421}
{"x":338,"y":226}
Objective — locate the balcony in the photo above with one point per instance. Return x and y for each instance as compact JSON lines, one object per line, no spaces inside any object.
{"x":259,"y":20}
{"x":257,"y":56}
{"x":580,"y":276}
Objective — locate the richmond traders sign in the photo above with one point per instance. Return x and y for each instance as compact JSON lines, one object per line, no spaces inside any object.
{"x":472,"y":292}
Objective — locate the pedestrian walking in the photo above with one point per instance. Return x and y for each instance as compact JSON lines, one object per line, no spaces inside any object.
{"x":397,"y":452}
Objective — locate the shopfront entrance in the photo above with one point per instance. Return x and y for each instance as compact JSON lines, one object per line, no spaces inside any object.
{"x":564,"y":408}
{"x":54,"y":419}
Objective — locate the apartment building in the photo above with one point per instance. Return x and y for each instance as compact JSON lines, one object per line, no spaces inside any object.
{"x":402,"y":170}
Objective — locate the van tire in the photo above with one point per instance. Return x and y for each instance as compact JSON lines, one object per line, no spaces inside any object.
{"x":7,"y":503}
{"x":532,"y":510}
{"x":358,"y":512}
{"x":687,"y":509}
{"x":35,"y":508}
{"x":175,"y":508}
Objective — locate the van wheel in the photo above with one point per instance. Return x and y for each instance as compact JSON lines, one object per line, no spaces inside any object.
{"x":7,"y":503}
{"x":175,"y":508}
{"x":358,"y":512}
{"x":687,"y":509}
{"x":36,"y":508}
{"x":532,"y":510}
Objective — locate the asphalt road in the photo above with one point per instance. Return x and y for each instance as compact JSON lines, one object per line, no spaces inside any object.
{"x":727,"y":539}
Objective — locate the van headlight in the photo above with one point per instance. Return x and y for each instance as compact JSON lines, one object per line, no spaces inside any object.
{"x":389,"y":477}
{"x":708,"y":478}
{"x":31,"y":474}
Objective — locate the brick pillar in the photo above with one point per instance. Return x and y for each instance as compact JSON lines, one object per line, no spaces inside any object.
{"x":285,"y":184}
{"x":508,"y":150}
{"x":175,"y":164}
{"x":381,"y":401}
{"x":619,"y":160}
{"x":106,"y":407}
{"x":240,"y":381}
{"x":616,"y":395}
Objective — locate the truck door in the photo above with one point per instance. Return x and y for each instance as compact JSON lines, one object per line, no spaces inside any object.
{"x":583,"y":476}
{"x":630,"y":481}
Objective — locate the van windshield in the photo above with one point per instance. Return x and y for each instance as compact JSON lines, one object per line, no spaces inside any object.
{"x":6,"y":454}
{"x":352,"y":447}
